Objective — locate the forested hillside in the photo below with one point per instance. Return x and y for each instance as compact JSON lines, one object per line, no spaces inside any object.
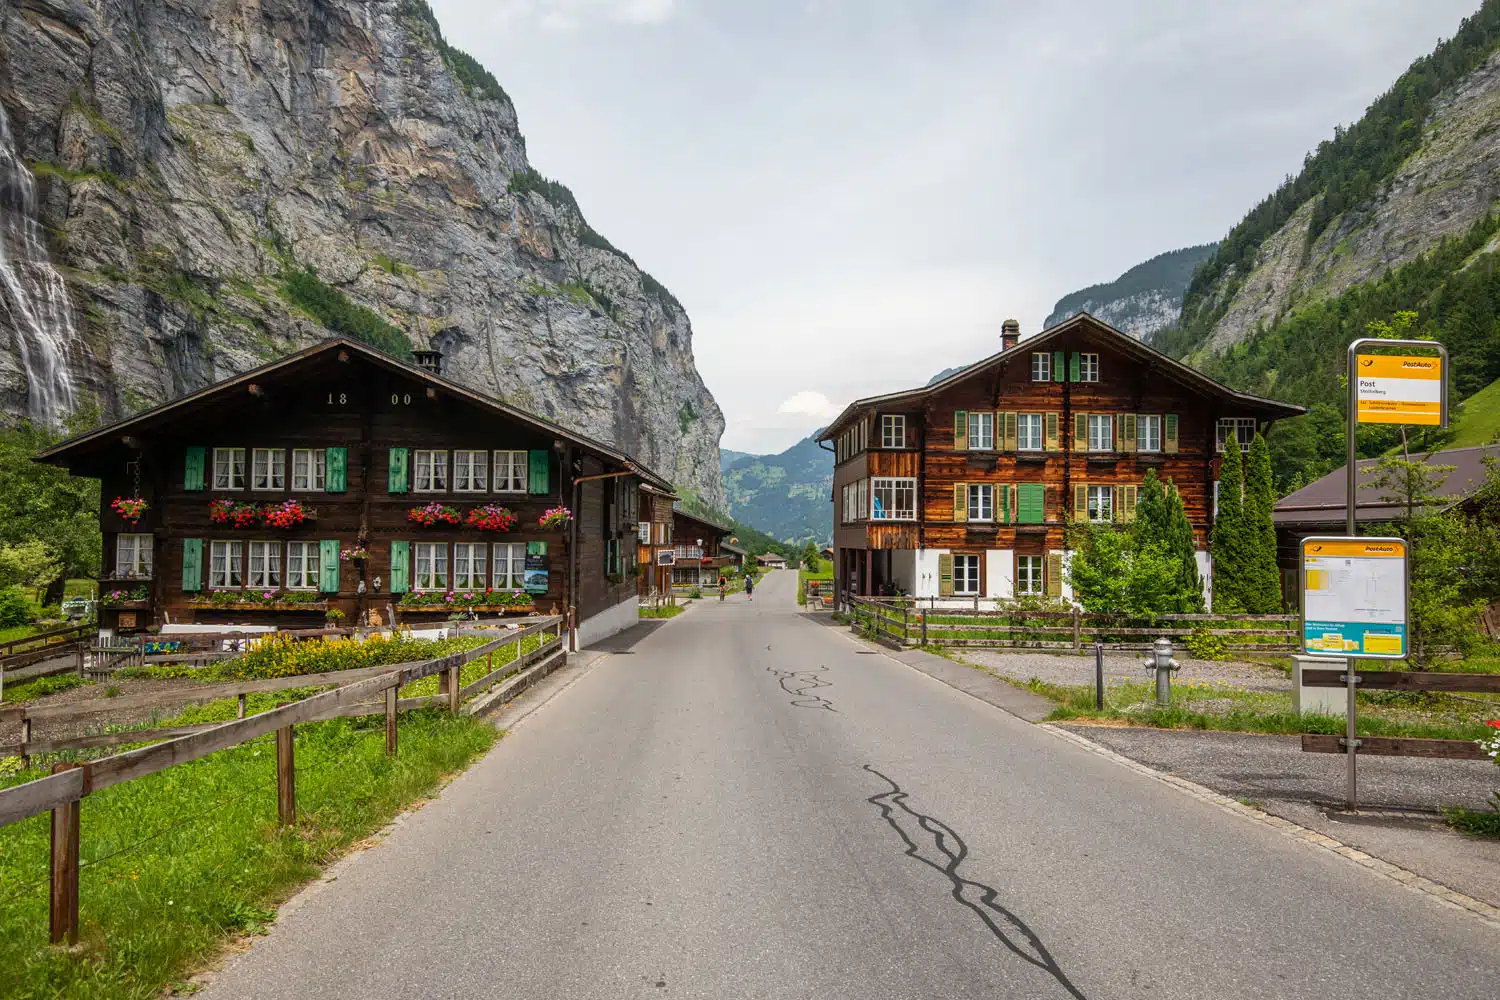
{"x":1143,"y":300}
{"x":788,"y":495}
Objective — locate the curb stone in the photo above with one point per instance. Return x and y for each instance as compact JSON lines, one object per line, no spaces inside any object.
{"x":1438,"y":892}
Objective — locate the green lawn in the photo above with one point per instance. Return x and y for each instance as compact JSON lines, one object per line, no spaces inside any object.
{"x":17,"y":632}
{"x":823,"y":572}
{"x":665,"y":611}
{"x":177,"y":863}
{"x":1480,"y":421}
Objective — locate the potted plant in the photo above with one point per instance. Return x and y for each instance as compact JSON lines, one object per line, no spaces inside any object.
{"x":433,"y":514}
{"x":123,"y":598}
{"x":287,"y":514}
{"x":235,"y":513}
{"x":492,"y":517}
{"x":334,"y":616}
{"x":129,"y":508}
{"x":555,"y":519}
{"x":357,"y":554}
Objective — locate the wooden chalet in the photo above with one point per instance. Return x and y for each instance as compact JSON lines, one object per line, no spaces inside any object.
{"x":655,"y":552}
{"x":697,"y":558}
{"x":965,"y":488}
{"x":341,"y":483}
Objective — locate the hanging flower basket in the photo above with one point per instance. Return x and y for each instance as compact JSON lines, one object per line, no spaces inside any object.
{"x":492,"y":517}
{"x":434,"y":513}
{"x":287,"y":514}
{"x":236,"y":513}
{"x":555,"y":519}
{"x":129,"y":508}
{"x":357,"y":554}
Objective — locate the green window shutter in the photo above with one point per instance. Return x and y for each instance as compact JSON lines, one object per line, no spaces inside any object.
{"x":192,"y":474}
{"x":336,"y":466}
{"x":611,"y":553}
{"x":537,"y":473}
{"x":328,"y":566}
{"x":397,"y":478}
{"x":192,"y":563}
{"x":400,"y":567}
{"x":1057,"y":365}
{"x":945,"y":576}
{"x":1169,"y":434}
{"x":536,"y":548}
{"x":1029,"y":505}
{"x":960,"y":430}
{"x":1074,"y":374}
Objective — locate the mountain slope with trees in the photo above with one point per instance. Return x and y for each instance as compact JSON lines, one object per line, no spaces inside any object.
{"x":1143,"y":300}
{"x":788,"y":495}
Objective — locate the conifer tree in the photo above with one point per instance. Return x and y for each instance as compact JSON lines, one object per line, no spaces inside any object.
{"x":1261,"y":583}
{"x":1183,"y":550}
{"x":1229,"y":542}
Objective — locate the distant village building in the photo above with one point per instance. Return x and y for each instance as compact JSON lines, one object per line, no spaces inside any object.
{"x":965,"y":488}
{"x":699,"y":559}
{"x":735,"y":554}
{"x":770,"y":560}
{"x":341,"y":483}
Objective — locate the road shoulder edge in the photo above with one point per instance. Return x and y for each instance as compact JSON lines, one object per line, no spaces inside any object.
{"x":1443,"y":894}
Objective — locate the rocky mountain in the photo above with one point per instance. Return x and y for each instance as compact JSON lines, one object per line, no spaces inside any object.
{"x":788,"y":495}
{"x":1420,"y":166}
{"x":728,"y":456}
{"x":193,"y":188}
{"x":1141,"y":301}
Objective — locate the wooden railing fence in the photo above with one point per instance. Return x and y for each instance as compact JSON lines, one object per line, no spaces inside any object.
{"x":907,"y":622}
{"x":62,"y":792}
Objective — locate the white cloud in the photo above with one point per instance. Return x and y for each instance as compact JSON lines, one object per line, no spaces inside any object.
{"x":808,"y":403}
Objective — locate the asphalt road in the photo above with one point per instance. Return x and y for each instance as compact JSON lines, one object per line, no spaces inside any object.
{"x":747,"y":804}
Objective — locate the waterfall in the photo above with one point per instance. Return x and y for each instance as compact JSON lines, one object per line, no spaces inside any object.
{"x":32,"y":293}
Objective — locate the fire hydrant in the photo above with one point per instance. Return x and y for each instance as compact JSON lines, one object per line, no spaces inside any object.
{"x":1161,"y":660}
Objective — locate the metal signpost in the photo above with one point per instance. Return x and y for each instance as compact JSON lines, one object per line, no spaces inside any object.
{"x":1354,"y":590}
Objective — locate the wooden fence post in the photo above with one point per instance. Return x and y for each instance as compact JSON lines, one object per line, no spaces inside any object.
{"x":390,"y":720}
{"x":64,"y":902}
{"x":25,"y":739}
{"x":286,"y":778}
{"x":454,"y":687}
{"x":1077,"y":630}
{"x":239,"y":712}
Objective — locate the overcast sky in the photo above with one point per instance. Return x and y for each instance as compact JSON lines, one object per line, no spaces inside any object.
{"x":851,"y":195}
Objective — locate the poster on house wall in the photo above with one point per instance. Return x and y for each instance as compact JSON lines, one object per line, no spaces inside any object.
{"x":535,"y":580}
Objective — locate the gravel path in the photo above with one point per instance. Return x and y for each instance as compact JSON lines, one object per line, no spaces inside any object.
{"x":1122,"y":668}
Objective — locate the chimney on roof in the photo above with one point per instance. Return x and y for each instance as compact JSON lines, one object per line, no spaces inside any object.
{"x":429,"y":361}
{"x":1010,"y":334}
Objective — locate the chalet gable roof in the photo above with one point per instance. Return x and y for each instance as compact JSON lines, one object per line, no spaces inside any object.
{"x":62,"y":452}
{"x":713,"y":526}
{"x":1123,"y":341}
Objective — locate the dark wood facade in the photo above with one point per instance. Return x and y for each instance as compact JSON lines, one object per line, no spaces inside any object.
{"x":378,"y":428}
{"x":1018,"y":432}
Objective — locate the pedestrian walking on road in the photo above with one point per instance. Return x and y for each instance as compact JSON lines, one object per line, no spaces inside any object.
{"x":750,"y":586}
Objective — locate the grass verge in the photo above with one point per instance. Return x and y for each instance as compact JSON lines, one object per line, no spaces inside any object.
{"x":1480,"y":822}
{"x":177,"y":863}
{"x":665,"y":611}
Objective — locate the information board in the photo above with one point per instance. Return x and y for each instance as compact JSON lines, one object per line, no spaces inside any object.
{"x":666,"y":557}
{"x":1400,"y":389}
{"x":1354,"y":597}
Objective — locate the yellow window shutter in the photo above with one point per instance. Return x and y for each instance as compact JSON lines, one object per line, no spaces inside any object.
{"x":1169,"y":433}
{"x":1080,"y":432}
{"x":945,"y":576}
{"x":1054,"y":575}
{"x":1009,"y":422}
{"x":960,"y":501}
{"x":1128,"y":434}
{"x":1053,"y":434}
{"x":960,"y":430}
{"x":1081,"y":502}
{"x":1117,"y":504}
{"x":1132,"y":497}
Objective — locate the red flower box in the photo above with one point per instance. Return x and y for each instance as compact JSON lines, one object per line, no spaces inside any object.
{"x":492,"y":517}
{"x":434,"y":513}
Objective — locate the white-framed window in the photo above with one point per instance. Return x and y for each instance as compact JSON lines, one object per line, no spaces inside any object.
{"x":966,"y":575}
{"x":302,"y":568}
{"x":893,"y":499}
{"x":431,"y":471}
{"x":265,"y":565}
{"x":981,"y":430}
{"x":1148,"y":432}
{"x":133,"y":557}
{"x":1029,"y":432}
{"x":225,"y":565}
{"x":510,"y":471}
{"x":893,"y":430}
{"x":1041,"y":367}
{"x":1243,"y":428}
{"x":469,"y":564}
{"x":268,"y":469}
{"x":471,"y":474}
{"x":510,"y":565}
{"x":309,"y":469}
{"x":1088,"y":367}
{"x":981,"y":502}
{"x":1028,"y":575}
{"x":1101,"y":432}
{"x":431,"y":559}
{"x":229,"y":468}
{"x":1101,"y":503}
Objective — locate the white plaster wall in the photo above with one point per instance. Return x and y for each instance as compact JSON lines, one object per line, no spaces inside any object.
{"x":904,"y":569}
{"x":606,"y":623}
{"x":1000,"y":573}
{"x":926,"y":584}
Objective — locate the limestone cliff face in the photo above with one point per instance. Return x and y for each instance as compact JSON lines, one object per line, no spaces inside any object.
{"x":1451,"y":182}
{"x":1141,"y":301}
{"x":190,"y":155}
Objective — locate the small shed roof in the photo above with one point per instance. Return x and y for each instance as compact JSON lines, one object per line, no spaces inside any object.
{"x":1323,"y":502}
